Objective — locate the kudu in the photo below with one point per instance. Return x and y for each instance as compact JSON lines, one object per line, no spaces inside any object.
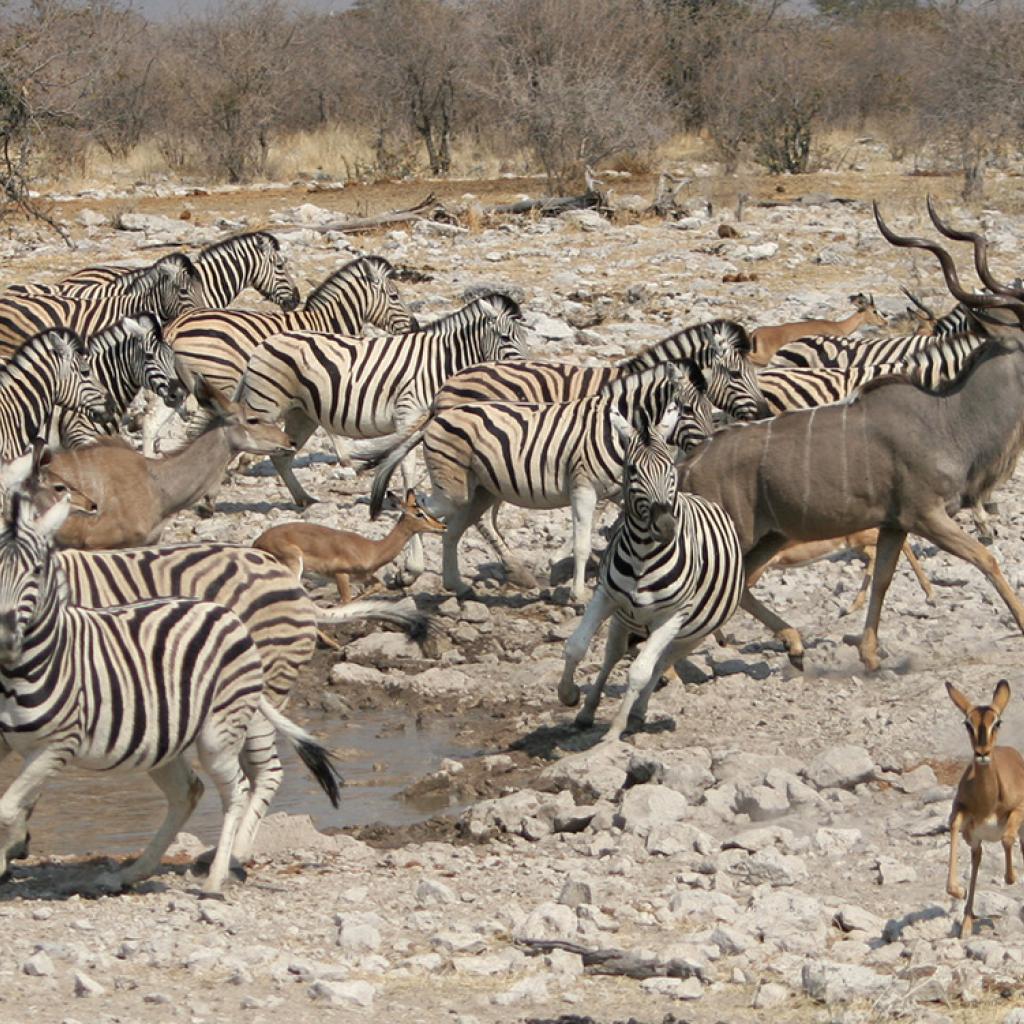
{"x":768,"y":340}
{"x":136,"y":495}
{"x":989,"y":801}
{"x":341,"y":553}
{"x":896,"y":457}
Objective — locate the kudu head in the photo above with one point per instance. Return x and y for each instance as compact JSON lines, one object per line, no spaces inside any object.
{"x":649,"y":480}
{"x":982,"y":722}
{"x":1001,"y":309}
{"x":243,"y":429}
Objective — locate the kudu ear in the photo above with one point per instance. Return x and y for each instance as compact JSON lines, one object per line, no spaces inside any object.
{"x":622,"y":426}
{"x":1000,"y":697}
{"x":17,"y":471}
{"x":54,"y":517}
{"x":961,"y":701}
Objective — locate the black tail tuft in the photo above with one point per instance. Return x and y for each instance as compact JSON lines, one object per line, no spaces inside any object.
{"x":323,"y":769}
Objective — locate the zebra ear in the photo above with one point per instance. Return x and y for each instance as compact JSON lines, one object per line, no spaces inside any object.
{"x":668,"y":421}
{"x":133,"y":326}
{"x":625,"y":429}
{"x":53,"y":518}
{"x":488,"y":309}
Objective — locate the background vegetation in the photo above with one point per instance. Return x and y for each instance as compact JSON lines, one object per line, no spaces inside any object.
{"x":393,"y":87}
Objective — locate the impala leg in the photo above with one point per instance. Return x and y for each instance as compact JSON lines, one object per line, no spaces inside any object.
{"x":414,"y":560}
{"x":953,"y":886}
{"x":967,"y":927}
{"x":598,"y":609}
{"x":890,"y":542}
{"x":344,"y":591}
{"x":922,"y":577}
{"x":182,"y":788}
{"x":299,"y":427}
{"x":1013,"y":823}
{"x":584,"y":501}
{"x":941,"y":530}
{"x":614,"y":648}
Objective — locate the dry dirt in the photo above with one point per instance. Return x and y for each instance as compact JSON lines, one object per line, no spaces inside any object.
{"x":441,"y":906}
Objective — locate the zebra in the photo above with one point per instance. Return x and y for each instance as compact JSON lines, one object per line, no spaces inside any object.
{"x":130,"y":687}
{"x":225,"y":268}
{"x":50,"y":369}
{"x":217,"y":343}
{"x":125,"y":357}
{"x":672,"y":574}
{"x":369,"y":387}
{"x":167,"y":289}
{"x":715,"y":349}
{"x":534,"y":456}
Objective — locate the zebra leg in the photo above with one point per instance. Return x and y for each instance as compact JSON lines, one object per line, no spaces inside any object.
{"x":262,"y":768}
{"x":456,"y":524}
{"x":183,"y":789}
{"x":615,"y":647}
{"x":299,"y":427}
{"x":18,"y":800}
{"x":599,"y":608}
{"x":644,"y":672}
{"x":222,"y":761}
{"x":343,"y":449}
{"x":518,"y":573}
{"x":675,"y":652}
{"x":584,"y":500}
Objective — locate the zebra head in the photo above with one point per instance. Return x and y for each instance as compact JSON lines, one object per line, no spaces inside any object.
{"x":385,"y":308}
{"x":76,"y":385}
{"x":159,"y":368}
{"x":505,"y":333}
{"x":650,"y":482}
{"x":173,"y":284}
{"x":29,"y":583}
{"x":732,"y":379}
{"x":270,"y":274}
{"x":695,"y":424}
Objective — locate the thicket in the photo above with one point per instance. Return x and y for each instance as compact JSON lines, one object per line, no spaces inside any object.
{"x":552,"y":85}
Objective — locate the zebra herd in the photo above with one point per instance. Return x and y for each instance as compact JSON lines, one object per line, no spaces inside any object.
{"x":131,"y":659}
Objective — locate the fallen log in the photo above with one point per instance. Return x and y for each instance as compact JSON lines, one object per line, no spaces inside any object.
{"x":614,"y":961}
{"x":594,"y":198}
{"x":356,"y":224}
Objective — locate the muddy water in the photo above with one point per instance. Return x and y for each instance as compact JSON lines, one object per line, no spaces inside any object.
{"x":91,"y":812}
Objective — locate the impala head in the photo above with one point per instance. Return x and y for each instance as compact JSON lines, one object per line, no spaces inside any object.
{"x":731,"y":378}
{"x":28,"y":581}
{"x":271,"y":276}
{"x":244,"y":430}
{"x":77,"y":387}
{"x":506,"y":335}
{"x":649,"y":480}
{"x":982,"y":722}
{"x":695,"y":424}
{"x":416,"y":518}
{"x":386,"y":310}
{"x":866,"y":304}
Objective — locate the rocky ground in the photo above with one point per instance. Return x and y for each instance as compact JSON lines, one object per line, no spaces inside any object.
{"x":771,"y":848}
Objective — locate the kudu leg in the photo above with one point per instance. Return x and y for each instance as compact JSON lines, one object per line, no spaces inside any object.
{"x":890,"y":544}
{"x":942,"y":531}
{"x":753,"y":565}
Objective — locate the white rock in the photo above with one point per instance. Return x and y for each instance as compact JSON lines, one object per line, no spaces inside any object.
{"x":837,"y":841}
{"x":86,"y":987}
{"x":458,"y":942}
{"x":893,"y":872}
{"x":828,"y":982}
{"x":687,"y":989}
{"x":548,"y":327}
{"x":844,"y":766}
{"x":343,"y":993}
{"x":529,"y":990}
{"x":647,"y":806}
{"x":670,"y":840}
{"x":595,"y":774}
{"x":732,"y":940}
{"x":38,"y":965}
{"x":347,"y":673}
{"x":851,"y":918}
{"x":586,"y":220}
{"x":90,"y":218}
{"x":764,"y":251}
{"x":548,"y":921}
{"x":358,"y":937}
{"x":772,"y":867}
{"x":761,"y":803}
{"x":770,"y":994}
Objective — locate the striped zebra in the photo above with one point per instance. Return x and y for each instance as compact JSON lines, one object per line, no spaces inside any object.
{"x":672,"y":574}
{"x":126,"y":357}
{"x":225,"y":268}
{"x":167,"y":289}
{"x":130,"y":687}
{"x":533,"y":456}
{"x":369,"y":387}
{"x":52,"y":369}
{"x":217,"y":343}
{"x":715,"y":348}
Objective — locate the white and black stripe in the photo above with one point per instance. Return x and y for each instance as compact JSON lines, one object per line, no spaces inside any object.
{"x":672,"y":574}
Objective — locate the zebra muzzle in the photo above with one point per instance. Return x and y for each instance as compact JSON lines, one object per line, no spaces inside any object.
{"x":663,"y":523}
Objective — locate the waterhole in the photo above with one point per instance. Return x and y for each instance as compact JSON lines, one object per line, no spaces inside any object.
{"x":84,"y":812}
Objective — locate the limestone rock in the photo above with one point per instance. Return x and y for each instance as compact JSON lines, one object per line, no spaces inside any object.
{"x":844,"y":766}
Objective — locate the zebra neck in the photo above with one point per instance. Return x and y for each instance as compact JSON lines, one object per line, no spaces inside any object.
{"x":118,"y":367}
{"x":45,"y":642}
{"x":28,"y":392}
{"x":224,"y":273}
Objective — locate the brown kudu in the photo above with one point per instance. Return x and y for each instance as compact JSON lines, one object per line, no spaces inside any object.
{"x":767,"y":341}
{"x":897,"y":457}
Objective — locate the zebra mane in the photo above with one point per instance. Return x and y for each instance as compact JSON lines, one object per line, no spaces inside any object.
{"x":504,"y":303}
{"x":650,"y":374}
{"x":142,"y":324}
{"x":359,"y":267}
{"x":175,"y":259}
{"x":236,"y":241}
{"x":694,"y":374}
{"x":985,"y":351}
{"x":729,"y":333}
{"x":58,"y":338}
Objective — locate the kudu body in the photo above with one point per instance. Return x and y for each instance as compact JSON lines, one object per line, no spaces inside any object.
{"x":897,"y":457}
{"x":768,"y":340}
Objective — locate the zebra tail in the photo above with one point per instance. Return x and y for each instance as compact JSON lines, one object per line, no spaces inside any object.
{"x":314,"y":755}
{"x":413,"y":623}
{"x":388,"y":464}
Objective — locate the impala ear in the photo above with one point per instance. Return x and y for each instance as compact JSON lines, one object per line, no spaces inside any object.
{"x":391,"y":502}
{"x":1001,"y":696}
{"x":959,"y":699}
{"x":624,"y":428}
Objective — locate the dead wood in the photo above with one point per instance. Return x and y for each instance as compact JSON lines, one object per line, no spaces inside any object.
{"x":614,"y":961}
{"x":428,"y":208}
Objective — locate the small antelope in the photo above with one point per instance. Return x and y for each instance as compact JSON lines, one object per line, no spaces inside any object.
{"x":768,"y":340}
{"x":341,"y":553}
{"x":989,"y":801}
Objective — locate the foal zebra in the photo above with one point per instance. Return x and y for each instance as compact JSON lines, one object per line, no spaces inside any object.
{"x":225,"y":268}
{"x":672,"y":574}
{"x":167,"y":289}
{"x":369,"y":387}
{"x":52,"y":369}
{"x":131,"y":687}
{"x":535,"y":456}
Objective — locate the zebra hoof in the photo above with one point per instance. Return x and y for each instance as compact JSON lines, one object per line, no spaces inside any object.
{"x":569,"y":695}
{"x":584,"y":721}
